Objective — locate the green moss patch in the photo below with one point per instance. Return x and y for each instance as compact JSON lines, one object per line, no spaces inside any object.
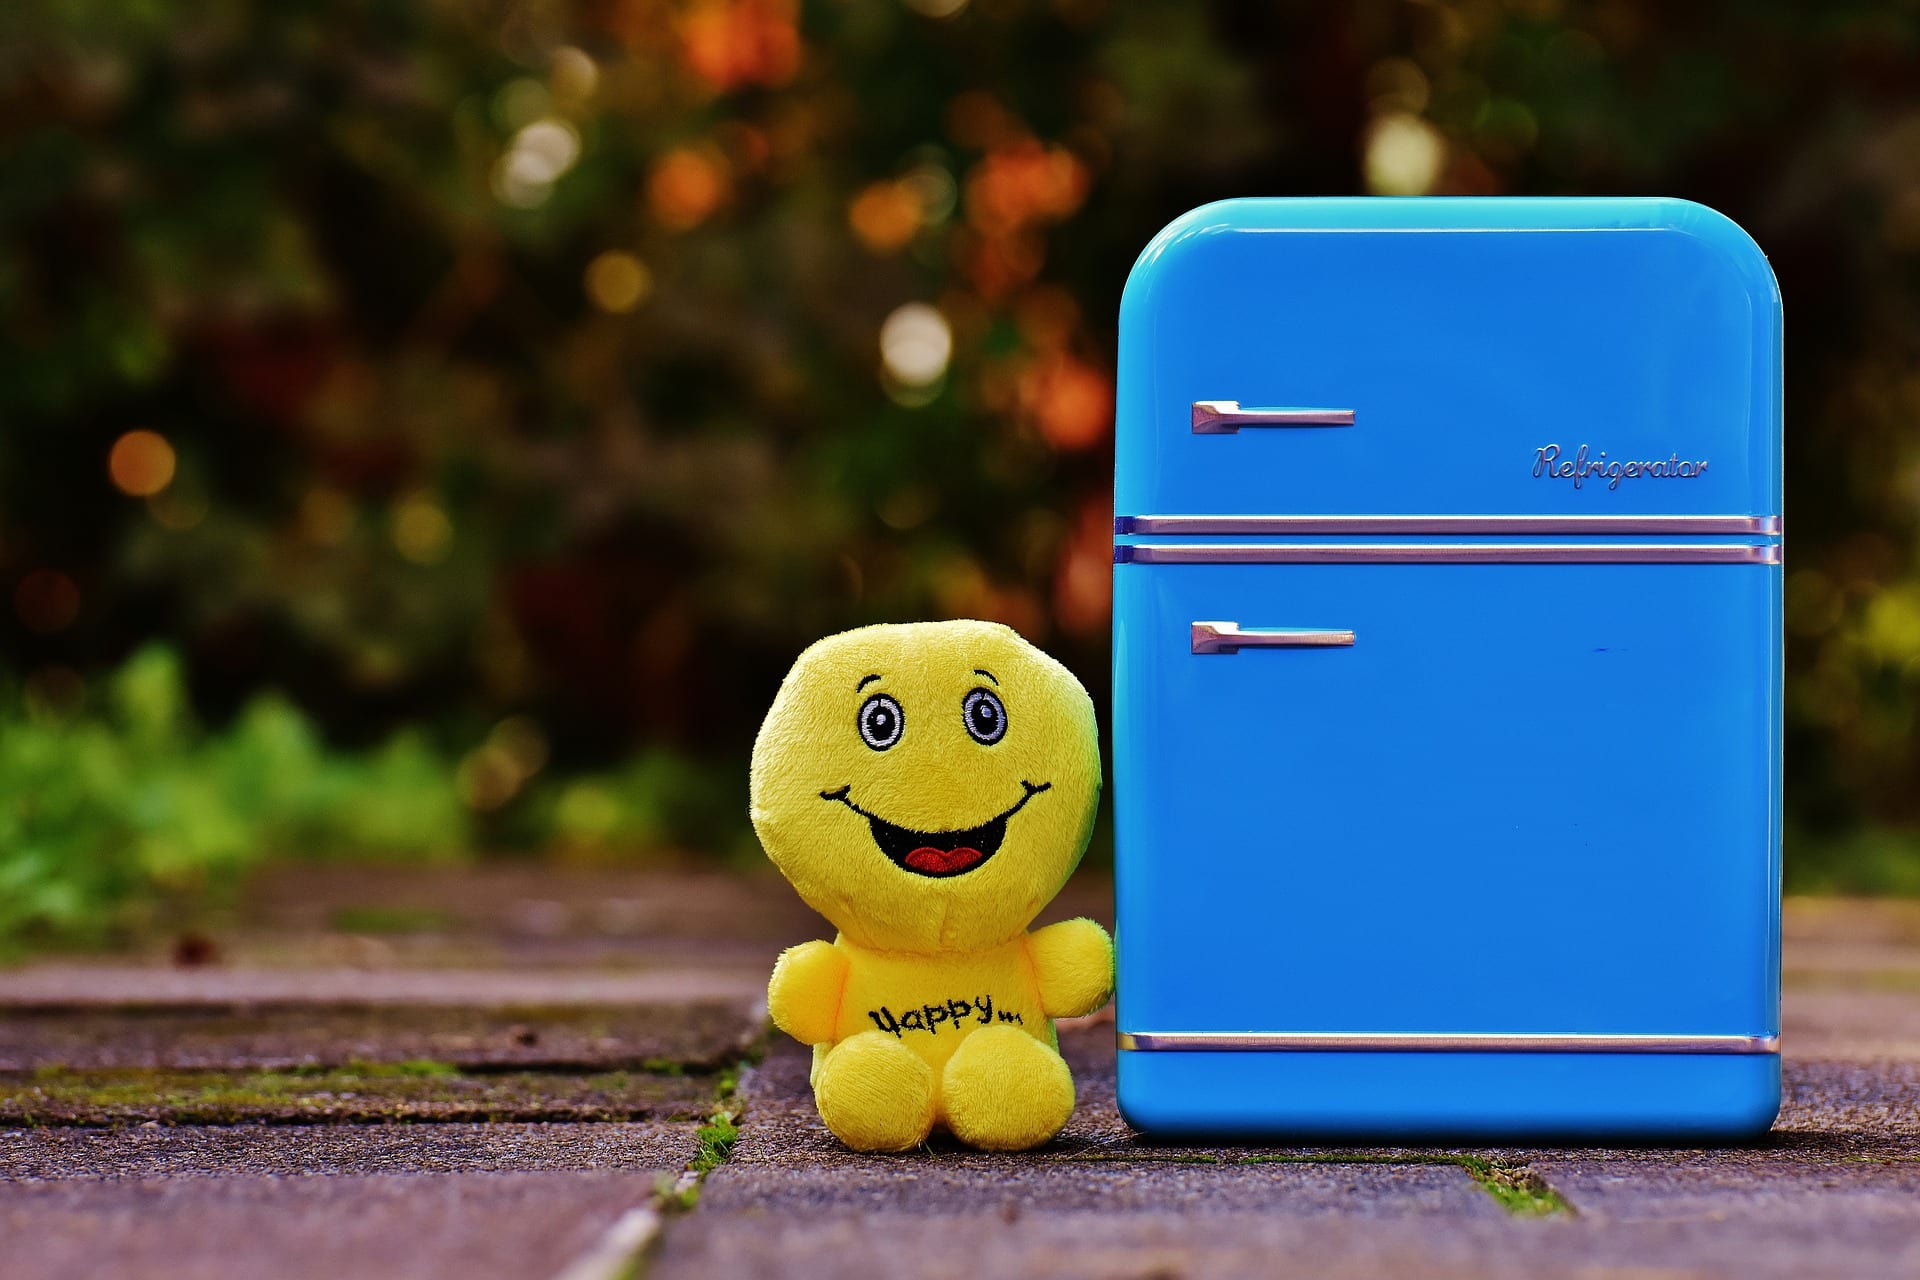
{"x":716,"y":1138}
{"x":1518,"y":1189}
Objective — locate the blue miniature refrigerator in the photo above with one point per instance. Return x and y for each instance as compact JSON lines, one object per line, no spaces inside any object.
{"x":1447,"y":673}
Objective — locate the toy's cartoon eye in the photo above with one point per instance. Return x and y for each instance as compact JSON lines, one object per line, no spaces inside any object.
{"x":985,"y":716}
{"x":881,"y":722}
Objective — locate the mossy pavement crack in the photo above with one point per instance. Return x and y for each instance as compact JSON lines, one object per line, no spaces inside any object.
{"x":1515,"y":1186}
{"x":623,"y":1251}
{"x":713,"y":1142}
{"x":356,"y":1093}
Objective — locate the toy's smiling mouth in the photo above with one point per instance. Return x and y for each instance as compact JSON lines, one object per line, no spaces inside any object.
{"x":938,"y":853}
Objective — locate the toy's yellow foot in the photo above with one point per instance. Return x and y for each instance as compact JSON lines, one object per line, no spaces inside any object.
{"x":1006,"y":1091}
{"x":874,"y":1093}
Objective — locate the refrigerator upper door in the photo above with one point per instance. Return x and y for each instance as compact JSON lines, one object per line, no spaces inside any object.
{"x":1558,"y":357}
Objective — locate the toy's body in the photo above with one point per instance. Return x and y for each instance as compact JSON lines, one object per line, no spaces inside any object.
{"x":934,"y":1005}
{"x":927,"y":1007}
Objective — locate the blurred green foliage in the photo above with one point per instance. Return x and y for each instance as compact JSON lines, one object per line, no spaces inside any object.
{"x":516,"y":379}
{"x":113,"y":811}
{"x":112,"y":815}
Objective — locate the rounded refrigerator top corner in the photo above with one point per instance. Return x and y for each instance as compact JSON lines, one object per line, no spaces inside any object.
{"x":1733,"y":244}
{"x":1169,"y":250}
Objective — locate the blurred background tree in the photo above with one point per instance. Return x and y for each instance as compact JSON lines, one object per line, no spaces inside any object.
{"x":494,"y":395}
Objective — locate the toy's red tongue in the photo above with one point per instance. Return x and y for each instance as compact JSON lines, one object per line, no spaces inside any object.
{"x":942,"y":861}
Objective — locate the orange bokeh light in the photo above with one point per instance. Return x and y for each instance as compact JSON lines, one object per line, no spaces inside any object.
{"x":617,"y":281}
{"x":1011,"y":193}
{"x":1000,"y":265}
{"x":686,"y":186}
{"x":141,"y":463}
{"x":1024,"y":184}
{"x":1070,"y":401}
{"x":1083,"y":581}
{"x":885,"y":216}
{"x":731,"y":43}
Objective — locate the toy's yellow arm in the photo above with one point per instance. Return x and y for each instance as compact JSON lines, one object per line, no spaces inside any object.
{"x":1074,"y":963}
{"x":803,"y":996}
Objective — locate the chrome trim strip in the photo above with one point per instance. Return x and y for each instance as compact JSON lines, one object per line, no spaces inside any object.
{"x":1224,"y":417}
{"x":1259,"y":526}
{"x":1422,"y":1042}
{"x":1227,"y":637}
{"x":1446,"y":553}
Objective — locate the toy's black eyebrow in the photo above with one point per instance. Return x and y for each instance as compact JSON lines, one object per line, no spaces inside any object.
{"x":982,"y":671}
{"x":867,"y":680}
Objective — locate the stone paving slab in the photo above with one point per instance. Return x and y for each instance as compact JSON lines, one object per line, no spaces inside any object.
{"x":1835,"y":1104}
{"x":270,"y":1151}
{"x":1096,"y":1201}
{"x":1753,"y":1188}
{"x":786,"y":1162}
{"x":342,"y":971}
{"x":474,"y":1226}
{"x":1835,"y":1192}
{"x":1883,"y":921}
{"x":1833,"y":1022}
{"x":104,"y":1017}
{"x":472,"y":1200}
{"x":1166,"y":1246}
{"x":526,"y":918}
{"x":518,"y":918}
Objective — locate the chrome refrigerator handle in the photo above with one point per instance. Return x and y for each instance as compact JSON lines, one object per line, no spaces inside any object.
{"x":1227,"y":637}
{"x":1223,"y":417}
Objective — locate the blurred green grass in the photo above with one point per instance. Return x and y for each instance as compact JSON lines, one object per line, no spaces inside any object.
{"x":119,"y":814}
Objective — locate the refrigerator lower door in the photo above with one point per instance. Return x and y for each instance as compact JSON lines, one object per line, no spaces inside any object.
{"x":1426,"y":850}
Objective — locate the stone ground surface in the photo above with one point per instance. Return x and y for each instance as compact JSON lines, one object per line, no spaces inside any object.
{"x":511,"y":1072}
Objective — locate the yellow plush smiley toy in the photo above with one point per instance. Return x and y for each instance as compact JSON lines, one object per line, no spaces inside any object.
{"x":928,"y":788}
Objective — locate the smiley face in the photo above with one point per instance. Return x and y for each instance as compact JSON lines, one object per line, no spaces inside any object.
{"x":882,"y":722}
{"x":927,"y":785}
